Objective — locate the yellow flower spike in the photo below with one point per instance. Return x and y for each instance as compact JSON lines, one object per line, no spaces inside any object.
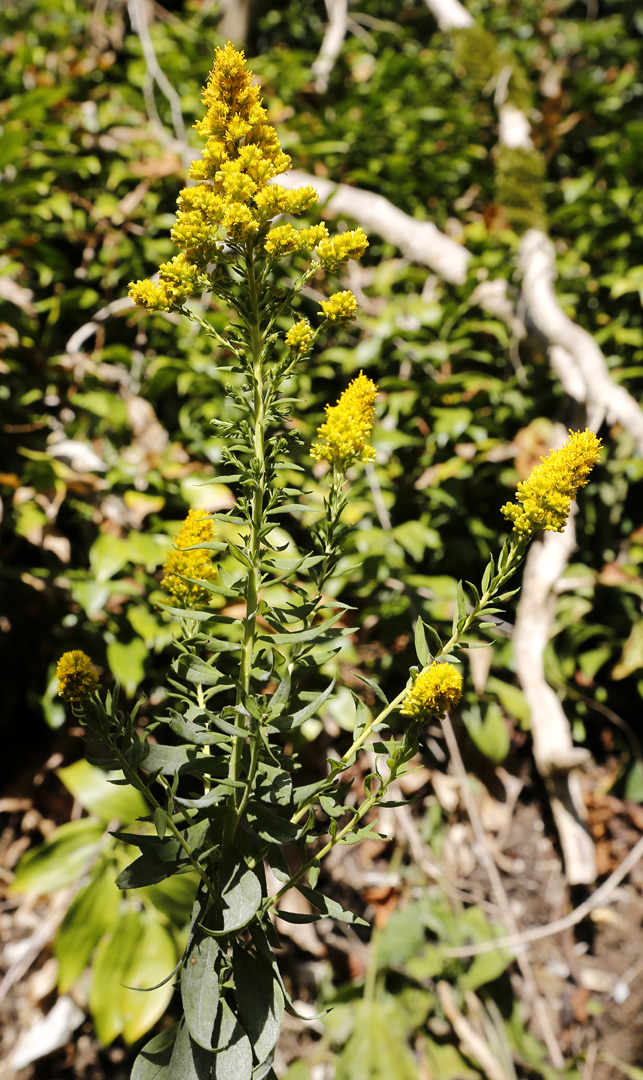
{"x":341,"y":305}
{"x":436,"y":690}
{"x":196,"y":529}
{"x":299,"y":336}
{"x":543,"y":501}
{"x":77,"y":676}
{"x":234,"y":197}
{"x":344,"y":435}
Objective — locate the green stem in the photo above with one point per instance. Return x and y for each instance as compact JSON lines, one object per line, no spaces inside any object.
{"x":253,"y":579}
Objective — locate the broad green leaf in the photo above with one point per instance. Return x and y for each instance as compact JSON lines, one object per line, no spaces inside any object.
{"x":260,"y":1001}
{"x":110,"y":970}
{"x":61,"y":859}
{"x":296,"y":719}
{"x":511,"y":698}
{"x":195,"y":670}
{"x":634,"y":783}
{"x":189,"y":1061}
{"x":154,"y":958}
{"x":402,"y":938}
{"x":233,"y":1060}
{"x":200,"y":989}
{"x":92,"y":913}
{"x":273,"y":785}
{"x":485,"y":968}
{"x":127,"y":663}
{"x":240,"y":897}
{"x":271,"y":827}
{"x":378,"y":1048}
{"x":153,"y":1062}
{"x":489,"y":733}
{"x":98,"y":796}
{"x":160,"y":858}
{"x":446,"y":1062}
{"x":299,"y":637}
{"x":174,"y":896}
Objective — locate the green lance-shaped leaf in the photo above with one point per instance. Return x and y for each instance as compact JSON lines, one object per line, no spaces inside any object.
{"x":233,"y":1059}
{"x":153,"y":1062}
{"x":200,"y":988}
{"x":260,"y":1001}
{"x":296,"y":719}
{"x":421,"y":647}
{"x":189,"y":1061}
{"x":328,"y":906}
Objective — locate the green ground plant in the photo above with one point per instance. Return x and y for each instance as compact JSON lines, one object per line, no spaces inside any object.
{"x":220,"y":777}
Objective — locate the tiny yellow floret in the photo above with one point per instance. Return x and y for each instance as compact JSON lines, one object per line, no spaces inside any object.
{"x":344,"y":434}
{"x":543,"y":500}
{"x":436,"y":690}
{"x":197,"y":565}
{"x":341,"y":305}
{"x":77,"y":676}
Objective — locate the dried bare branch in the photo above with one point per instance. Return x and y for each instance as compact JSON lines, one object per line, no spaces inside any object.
{"x":421,"y":241}
{"x":449,"y":14}
{"x":331,"y":46}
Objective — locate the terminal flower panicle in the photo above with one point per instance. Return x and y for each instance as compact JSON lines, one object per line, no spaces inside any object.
{"x":344,"y":434}
{"x":197,"y":565}
{"x":544,"y":499}
{"x":77,"y":676}
{"x":234,"y":200}
{"x":436,"y":690}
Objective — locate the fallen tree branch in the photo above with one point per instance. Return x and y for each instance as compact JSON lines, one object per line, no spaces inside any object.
{"x":331,"y":46}
{"x":575,"y":348}
{"x":449,"y":14}
{"x":420,"y":241}
{"x":556,"y":757}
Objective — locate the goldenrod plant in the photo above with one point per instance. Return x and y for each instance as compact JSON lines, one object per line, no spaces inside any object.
{"x":220,"y":778}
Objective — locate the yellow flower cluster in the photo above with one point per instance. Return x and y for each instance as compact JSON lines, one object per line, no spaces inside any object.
{"x":341,"y":305}
{"x":339,"y":249}
{"x":348,"y":425}
{"x":234,"y":199}
{"x":284,"y":239}
{"x":299,"y":336}
{"x":436,"y":690}
{"x":179,"y":564}
{"x":544,"y":499}
{"x":77,"y":677}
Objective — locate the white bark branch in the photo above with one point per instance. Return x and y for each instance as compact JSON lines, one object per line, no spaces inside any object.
{"x":556,"y":757}
{"x":420,"y":241}
{"x":331,"y":46}
{"x":581,"y":355}
{"x":449,"y":14}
